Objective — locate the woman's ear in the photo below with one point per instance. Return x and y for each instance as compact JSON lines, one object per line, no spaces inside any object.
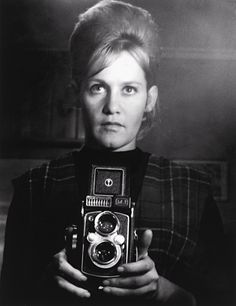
{"x":151,"y":98}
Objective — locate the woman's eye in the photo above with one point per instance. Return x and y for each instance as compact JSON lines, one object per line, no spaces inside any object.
{"x":97,"y":89}
{"x":129,"y":90}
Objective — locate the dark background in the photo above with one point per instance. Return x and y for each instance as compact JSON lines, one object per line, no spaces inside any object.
{"x":197,"y":87}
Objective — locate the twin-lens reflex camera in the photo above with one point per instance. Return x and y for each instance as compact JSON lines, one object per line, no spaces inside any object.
{"x":105,"y":237}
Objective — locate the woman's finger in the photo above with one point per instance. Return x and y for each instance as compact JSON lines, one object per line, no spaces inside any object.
{"x":60,"y":267}
{"x":69,"y":272}
{"x":70,"y":288}
{"x":149,"y":289}
{"x":132,"y":282}
{"x":139,"y":267}
{"x":144,"y":243}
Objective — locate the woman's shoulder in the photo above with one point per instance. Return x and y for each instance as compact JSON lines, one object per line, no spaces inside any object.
{"x":54,"y":169}
{"x":177,"y":169}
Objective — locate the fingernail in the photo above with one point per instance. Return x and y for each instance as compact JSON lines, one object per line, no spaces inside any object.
{"x":120,"y":269}
{"x":106,"y":282}
{"x":87,"y":294}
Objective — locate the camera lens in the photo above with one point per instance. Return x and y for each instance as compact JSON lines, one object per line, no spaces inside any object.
{"x":106,"y":223}
{"x":105,"y":252}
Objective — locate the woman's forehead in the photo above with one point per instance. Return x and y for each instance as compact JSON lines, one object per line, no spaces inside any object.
{"x":124,"y":69}
{"x":103,"y":60}
{"x":100,"y":62}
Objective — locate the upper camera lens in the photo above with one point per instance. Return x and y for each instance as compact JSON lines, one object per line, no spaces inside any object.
{"x":106,"y":223}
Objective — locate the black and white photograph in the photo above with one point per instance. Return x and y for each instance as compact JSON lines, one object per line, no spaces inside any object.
{"x":118,"y":152}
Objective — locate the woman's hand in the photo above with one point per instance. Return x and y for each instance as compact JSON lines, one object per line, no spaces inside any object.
{"x":137,"y":278}
{"x":64,"y":278}
{"x":141,"y":280}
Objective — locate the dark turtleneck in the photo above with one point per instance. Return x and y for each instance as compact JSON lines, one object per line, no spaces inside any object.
{"x":134,"y":161}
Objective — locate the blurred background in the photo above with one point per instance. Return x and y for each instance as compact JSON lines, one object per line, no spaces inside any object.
{"x":39,"y":118}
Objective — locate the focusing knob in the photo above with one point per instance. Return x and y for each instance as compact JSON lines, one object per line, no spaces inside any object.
{"x":71,"y":236}
{"x":119,"y":239}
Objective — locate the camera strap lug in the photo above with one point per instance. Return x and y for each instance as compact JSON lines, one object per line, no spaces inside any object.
{"x":71,"y":236}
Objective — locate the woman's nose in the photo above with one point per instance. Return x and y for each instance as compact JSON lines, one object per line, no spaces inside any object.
{"x":111,"y":104}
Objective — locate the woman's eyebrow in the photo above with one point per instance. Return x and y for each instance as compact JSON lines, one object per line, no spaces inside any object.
{"x":132,"y":83}
{"x":129,"y":82}
{"x":94,"y":79}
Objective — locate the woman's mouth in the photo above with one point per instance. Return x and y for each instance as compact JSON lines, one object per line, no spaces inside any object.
{"x":112,"y":126}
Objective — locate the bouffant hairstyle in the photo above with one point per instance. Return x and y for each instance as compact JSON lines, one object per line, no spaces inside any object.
{"x":104,"y":31}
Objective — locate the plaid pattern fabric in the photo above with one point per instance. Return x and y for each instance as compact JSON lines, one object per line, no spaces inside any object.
{"x":171,"y":203}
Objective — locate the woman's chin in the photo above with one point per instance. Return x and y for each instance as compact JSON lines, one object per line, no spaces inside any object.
{"x":113,"y":145}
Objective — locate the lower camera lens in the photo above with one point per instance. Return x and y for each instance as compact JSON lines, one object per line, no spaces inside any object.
{"x":105,"y":252}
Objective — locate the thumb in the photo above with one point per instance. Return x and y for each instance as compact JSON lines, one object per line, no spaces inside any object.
{"x":144,"y":243}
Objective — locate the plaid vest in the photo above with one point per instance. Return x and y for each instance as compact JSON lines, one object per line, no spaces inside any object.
{"x":171,"y":203}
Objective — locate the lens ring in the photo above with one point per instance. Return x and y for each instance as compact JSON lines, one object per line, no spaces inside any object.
{"x":106,"y":223}
{"x":105,"y":254}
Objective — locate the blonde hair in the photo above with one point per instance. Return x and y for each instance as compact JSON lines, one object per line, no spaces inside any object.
{"x":104,"y":31}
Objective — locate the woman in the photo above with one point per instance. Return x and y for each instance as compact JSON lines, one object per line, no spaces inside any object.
{"x":115,"y":56}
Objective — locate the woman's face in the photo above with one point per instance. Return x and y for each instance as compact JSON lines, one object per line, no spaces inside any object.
{"x":114,"y":101}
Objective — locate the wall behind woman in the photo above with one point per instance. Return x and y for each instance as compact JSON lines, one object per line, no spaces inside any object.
{"x":196,"y":84}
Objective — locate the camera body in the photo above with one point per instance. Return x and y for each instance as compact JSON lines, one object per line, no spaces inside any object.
{"x":105,"y":238}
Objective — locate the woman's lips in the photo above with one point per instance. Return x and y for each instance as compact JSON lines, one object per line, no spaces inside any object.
{"x":112,"y":123}
{"x":114,"y":126}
